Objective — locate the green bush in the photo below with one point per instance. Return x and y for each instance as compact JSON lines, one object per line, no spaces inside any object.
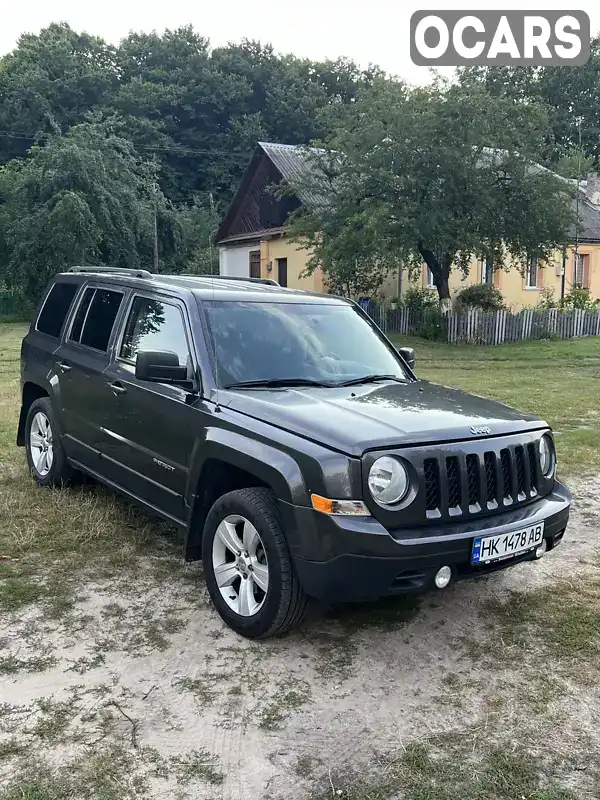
{"x":417,"y":299}
{"x":546,"y":301}
{"x":481,"y":295}
{"x":580,"y":299}
{"x":433,"y":325}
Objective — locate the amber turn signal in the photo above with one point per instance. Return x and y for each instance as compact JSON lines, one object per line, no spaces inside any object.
{"x":348,"y":507}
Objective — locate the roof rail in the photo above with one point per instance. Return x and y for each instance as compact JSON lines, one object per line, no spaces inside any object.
{"x":266,"y":281}
{"x":132,"y":273}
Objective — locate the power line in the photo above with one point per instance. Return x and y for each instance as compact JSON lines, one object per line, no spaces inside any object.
{"x":174,"y":150}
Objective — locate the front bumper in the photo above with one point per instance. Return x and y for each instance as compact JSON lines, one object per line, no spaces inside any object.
{"x":355,"y":558}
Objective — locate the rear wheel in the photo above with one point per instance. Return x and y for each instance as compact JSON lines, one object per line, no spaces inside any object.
{"x":45,"y":455}
{"x":247,"y":565}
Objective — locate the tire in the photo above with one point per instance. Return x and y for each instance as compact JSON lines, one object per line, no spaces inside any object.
{"x":53,"y":470}
{"x":256,"y":613}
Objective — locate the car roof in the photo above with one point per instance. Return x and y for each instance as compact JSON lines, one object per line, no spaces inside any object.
{"x":204,"y":287}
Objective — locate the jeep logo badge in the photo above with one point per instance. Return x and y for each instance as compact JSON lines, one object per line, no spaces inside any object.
{"x":481,"y":430}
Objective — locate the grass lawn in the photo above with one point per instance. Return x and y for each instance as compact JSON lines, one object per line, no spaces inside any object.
{"x":559,"y":380}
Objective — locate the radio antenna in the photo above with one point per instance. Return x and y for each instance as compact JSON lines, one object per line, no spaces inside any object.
{"x":214,"y":320}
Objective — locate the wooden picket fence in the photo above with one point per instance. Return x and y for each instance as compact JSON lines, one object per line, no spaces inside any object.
{"x":495,"y":327}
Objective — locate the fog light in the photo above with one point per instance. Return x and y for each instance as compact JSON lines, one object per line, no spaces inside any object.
{"x":443,"y":577}
{"x":541,"y":548}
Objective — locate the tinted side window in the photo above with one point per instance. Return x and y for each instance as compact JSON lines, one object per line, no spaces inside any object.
{"x":100,"y":319}
{"x":80,"y":316}
{"x":153,"y":325}
{"x":56,"y":308}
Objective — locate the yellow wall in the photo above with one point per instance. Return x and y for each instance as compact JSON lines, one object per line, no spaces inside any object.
{"x":512,"y":283}
{"x":297,"y":257}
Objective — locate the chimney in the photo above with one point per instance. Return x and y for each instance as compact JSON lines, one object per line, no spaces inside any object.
{"x":592,"y":190}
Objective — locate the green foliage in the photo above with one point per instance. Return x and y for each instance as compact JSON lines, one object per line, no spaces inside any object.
{"x":569,"y":95}
{"x":481,"y":295}
{"x":418,"y":299}
{"x":432,"y":174}
{"x":547,"y":300}
{"x":433,"y":325}
{"x":579,"y":299}
{"x":84,"y":198}
{"x":87,"y":129}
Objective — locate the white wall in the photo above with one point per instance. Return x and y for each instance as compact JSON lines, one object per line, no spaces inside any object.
{"x":235,"y":260}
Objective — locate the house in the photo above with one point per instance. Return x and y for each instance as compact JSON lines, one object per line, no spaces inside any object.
{"x":578,"y":266}
{"x":251,"y":238}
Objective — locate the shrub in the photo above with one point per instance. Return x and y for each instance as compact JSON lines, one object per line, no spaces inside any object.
{"x":580,"y":299}
{"x":546,"y":301}
{"x":433,"y":325}
{"x":481,"y":295}
{"x":417,"y":299}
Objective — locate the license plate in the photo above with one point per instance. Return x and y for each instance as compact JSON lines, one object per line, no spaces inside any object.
{"x":505,"y":545}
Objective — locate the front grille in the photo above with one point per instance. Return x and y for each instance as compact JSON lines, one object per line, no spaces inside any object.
{"x":473,"y":479}
{"x":533,"y":466}
{"x":520,"y":460}
{"x":490,"y":476}
{"x":453,"y":479}
{"x":468,"y":484}
{"x":432,"y":483}
{"x":506,"y":473}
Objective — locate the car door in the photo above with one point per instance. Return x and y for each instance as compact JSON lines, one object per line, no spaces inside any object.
{"x":80,"y":360}
{"x":150,"y":427}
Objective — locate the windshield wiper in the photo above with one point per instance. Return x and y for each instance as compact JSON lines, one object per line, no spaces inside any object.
{"x":371,"y":379}
{"x":275,"y":383}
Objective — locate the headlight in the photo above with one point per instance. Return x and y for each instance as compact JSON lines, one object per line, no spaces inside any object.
{"x":547,"y":457}
{"x":388,"y":480}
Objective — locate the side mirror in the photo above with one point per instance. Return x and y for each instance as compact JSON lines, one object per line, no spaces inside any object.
{"x":408,"y":354}
{"x":161,"y":367}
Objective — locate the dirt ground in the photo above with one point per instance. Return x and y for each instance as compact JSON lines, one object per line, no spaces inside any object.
{"x":142,"y":675}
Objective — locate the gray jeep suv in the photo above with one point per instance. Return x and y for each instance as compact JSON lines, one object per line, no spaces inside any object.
{"x":285,"y":436}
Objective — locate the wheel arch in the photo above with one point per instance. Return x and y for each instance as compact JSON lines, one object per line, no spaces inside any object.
{"x":30,"y":393}
{"x":231,"y":461}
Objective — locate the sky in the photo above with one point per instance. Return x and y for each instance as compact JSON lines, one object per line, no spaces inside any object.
{"x":368,"y":31}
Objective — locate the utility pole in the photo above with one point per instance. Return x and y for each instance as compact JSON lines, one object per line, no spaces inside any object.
{"x":155,"y":258}
{"x":576,"y":254}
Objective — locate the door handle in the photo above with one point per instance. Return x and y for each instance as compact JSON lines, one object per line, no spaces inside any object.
{"x":118,"y":388}
{"x":64,"y":367}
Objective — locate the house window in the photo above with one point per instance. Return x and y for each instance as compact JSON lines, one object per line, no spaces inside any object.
{"x":487,"y":271}
{"x":580,"y":271}
{"x":430,"y":282}
{"x":254,"y":263}
{"x":282,"y":271}
{"x":531,"y":276}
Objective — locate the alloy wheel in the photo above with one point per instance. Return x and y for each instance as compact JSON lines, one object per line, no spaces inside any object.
{"x":240,"y":566}
{"x":41,"y":444}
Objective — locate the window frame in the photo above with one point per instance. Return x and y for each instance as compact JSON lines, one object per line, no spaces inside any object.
{"x":75,"y":308}
{"x":429,"y":278}
{"x":583,"y":258}
{"x":67,"y":316}
{"x":530,"y":264}
{"x":487,"y":268}
{"x":166,"y":300}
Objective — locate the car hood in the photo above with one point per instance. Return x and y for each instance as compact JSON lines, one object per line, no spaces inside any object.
{"x":358,"y":418}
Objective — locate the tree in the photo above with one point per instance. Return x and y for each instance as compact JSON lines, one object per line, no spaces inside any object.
{"x":433,"y":175}
{"x":570,"y":96}
{"x":83,"y":198}
{"x":49,"y":83}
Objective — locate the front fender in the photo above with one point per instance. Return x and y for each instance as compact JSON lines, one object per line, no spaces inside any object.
{"x":272,"y":466}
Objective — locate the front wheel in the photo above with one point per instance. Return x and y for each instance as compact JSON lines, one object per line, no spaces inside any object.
{"x":45,"y":454}
{"x":247,"y":565}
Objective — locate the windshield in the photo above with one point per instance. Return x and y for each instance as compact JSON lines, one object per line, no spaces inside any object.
{"x":320,"y":343}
